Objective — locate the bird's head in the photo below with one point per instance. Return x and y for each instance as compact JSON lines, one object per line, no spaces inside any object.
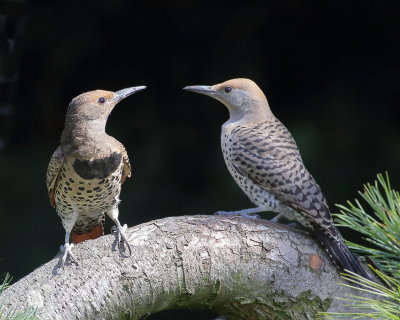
{"x":87,"y":116}
{"x":97,"y":104}
{"x":241,"y":96}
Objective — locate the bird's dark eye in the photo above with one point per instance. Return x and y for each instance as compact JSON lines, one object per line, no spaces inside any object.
{"x":102,"y":100}
{"x":228,"y":89}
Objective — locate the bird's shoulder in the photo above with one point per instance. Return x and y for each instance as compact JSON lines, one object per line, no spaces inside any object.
{"x":115,"y":145}
{"x":269,"y":139}
{"x":53,"y":171}
{"x":114,"y":153}
{"x":120,"y":148}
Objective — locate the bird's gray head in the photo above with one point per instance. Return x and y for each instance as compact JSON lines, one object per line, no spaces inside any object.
{"x":241,"y":96}
{"x":97,"y":104}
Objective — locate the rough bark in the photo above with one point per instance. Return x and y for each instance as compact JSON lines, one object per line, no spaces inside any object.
{"x":244,"y":269}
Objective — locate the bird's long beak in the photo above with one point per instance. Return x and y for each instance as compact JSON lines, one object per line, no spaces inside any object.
{"x":122,"y":94}
{"x":207,"y":90}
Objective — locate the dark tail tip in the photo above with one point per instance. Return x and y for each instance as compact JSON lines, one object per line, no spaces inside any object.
{"x":341,"y":254}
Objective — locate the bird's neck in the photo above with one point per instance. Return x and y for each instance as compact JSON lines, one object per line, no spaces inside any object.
{"x":78,"y":133}
{"x":255,"y":114}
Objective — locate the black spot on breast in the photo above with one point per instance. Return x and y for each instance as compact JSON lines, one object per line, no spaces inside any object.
{"x":99,"y":168}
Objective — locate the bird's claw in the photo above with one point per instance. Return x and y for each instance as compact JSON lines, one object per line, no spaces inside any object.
{"x":121,"y":237}
{"x":251,"y":216}
{"x":67,"y":256}
{"x":276,"y":218}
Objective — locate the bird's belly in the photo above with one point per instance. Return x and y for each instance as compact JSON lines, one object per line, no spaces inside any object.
{"x":257,"y":195}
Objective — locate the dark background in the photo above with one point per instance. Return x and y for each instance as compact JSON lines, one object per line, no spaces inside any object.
{"x":330,"y":70}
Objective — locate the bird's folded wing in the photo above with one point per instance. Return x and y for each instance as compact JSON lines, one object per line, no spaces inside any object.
{"x":277,"y":167}
{"x":127,"y":170}
{"x":53,"y":170}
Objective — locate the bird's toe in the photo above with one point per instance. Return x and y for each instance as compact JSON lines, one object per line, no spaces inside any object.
{"x":68,"y":256}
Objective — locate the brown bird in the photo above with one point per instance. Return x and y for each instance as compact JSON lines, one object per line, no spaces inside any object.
{"x":265,"y":162}
{"x":86,"y":171}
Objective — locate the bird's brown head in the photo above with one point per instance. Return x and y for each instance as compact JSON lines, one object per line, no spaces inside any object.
{"x":87,"y":115}
{"x":241,"y":96}
{"x":97,"y":104}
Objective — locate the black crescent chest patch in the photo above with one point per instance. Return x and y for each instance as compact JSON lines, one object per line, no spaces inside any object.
{"x":99,"y":168}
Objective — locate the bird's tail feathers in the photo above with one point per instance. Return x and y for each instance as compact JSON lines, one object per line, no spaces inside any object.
{"x":340,"y":253}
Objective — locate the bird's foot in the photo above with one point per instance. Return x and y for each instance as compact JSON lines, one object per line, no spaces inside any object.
{"x":276,"y":218}
{"x":250,"y":213}
{"x":294,"y":225}
{"x":67,"y":256}
{"x":121,"y":237}
{"x":246,"y":213}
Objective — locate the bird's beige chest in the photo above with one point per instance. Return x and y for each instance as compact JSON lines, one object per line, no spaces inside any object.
{"x":86,"y":196}
{"x":258,"y":195}
{"x":229,"y":151}
{"x":227,"y":147}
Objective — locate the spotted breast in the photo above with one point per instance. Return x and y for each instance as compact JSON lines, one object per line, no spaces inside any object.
{"x":90,"y":188}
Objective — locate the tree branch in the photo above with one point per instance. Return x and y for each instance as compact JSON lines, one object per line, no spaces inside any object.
{"x":244,"y":269}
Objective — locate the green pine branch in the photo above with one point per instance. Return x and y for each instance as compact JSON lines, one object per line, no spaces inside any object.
{"x":386,"y":305}
{"x":379,"y":224}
